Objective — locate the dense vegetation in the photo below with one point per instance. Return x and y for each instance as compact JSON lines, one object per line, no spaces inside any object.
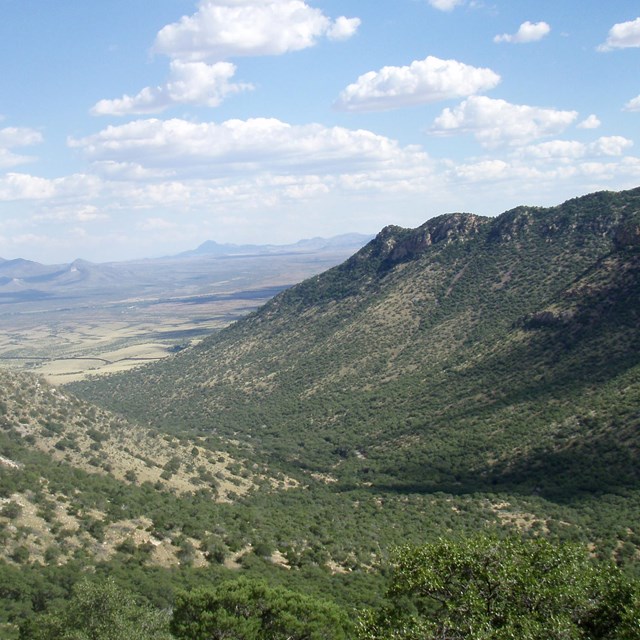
{"x":477,"y":589}
{"x":470,"y":375}
{"x":470,"y":357}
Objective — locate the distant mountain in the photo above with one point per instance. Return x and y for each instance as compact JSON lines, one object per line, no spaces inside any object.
{"x":470,"y":356}
{"x":212,"y":248}
{"x":192,"y":272}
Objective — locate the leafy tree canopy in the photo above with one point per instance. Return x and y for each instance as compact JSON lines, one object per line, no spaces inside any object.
{"x":250,"y":610}
{"x":486,"y":588}
{"x":99,"y":611}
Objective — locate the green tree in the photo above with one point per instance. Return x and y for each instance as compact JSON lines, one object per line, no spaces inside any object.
{"x":250,"y":610}
{"x":99,"y":611}
{"x":485,"y":588}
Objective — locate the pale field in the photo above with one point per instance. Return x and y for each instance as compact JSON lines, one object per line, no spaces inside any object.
{"x":69,"y":345}
{"x":144,"y":312}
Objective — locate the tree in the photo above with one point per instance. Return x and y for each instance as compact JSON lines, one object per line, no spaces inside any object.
{"x":99,"y":611}
{"x":484,"y":588}
{"x":250,"y":610}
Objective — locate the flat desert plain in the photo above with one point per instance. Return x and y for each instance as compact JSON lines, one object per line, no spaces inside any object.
{"x":97,"y":327}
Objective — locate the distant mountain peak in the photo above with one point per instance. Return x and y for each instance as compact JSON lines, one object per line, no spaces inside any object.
{"x":213,"y":248}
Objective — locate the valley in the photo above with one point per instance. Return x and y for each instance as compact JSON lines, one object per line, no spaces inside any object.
{"x":71,"y":321}
{"x":473,"y":376}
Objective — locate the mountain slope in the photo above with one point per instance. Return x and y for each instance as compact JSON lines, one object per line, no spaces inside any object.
{"x":77,"y":479}
{"x":470,"y":355}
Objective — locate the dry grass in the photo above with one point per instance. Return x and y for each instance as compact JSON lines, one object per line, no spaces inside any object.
{"x":37,"y":534}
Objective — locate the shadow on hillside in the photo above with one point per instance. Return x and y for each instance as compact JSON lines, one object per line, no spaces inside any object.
{"x":597,"y":466}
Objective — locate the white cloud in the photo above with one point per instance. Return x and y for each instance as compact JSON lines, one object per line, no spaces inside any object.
{"x":622,"y":36}
{"x":195,"y":83}
{"x":484,"y":170}
{"x":421,"y":82}
{"x":445,"y":5}
{"x":225,"y":28}
{"x":592,"y":122}
{"x":497,"y":122}
{"x":80,"y":213}
{"x":12,"y":137}
{"x":22,"y":186}
{"x":570,"y":150}
{"x":19,"y":137}
{"x":633,"y":105}
{"x":343,"y":28}
{"x":556,"y":149}
{"x":611,"y":145}
{"x":244,"y":147}
{"x":74,"y":188}
{"x":528,"y":32}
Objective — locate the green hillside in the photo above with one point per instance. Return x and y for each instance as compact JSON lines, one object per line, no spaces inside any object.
{"x":486,"y":360}
{"x":471,"y":375}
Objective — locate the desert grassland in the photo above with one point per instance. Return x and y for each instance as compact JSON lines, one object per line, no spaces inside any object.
{"x":138,"y":312}
{"x":66,"y":345}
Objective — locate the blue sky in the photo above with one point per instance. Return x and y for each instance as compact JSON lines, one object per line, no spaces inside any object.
{"x":133,"y":129}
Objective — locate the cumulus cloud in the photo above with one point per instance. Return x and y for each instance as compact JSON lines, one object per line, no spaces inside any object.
{"x":497,"y":122}
{"x":19,"y":137}
{"x":445,"y":5}
{"x":633,"y":105}
{"x":68,"y":189}
{"x":22,"y":186}
{"x":421,"y":82}
{"x":611,"y":145}
{"x":592,"y":122}
{"x":242,"y":146}
{"x":622,"y":36}
{"x":528,"y":32}
{"x":343,"y":28}
{"x":16,"y":137}
{"x":195,"y":83}
{"x":556,"y":149}
{"x":226,"y":28}
{"x":569,"y":150}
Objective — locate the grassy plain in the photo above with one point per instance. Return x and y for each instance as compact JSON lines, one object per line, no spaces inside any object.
{"x":154,"y":310}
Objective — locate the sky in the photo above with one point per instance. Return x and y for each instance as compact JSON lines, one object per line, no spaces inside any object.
{"x":133,"y":129}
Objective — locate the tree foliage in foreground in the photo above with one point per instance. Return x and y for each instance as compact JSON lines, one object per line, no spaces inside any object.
{"x":484,"y":588}
{"x":99,"y":611}
{"x":251,"y":610}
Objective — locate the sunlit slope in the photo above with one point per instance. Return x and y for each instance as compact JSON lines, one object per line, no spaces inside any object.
{"x":468,"y":354}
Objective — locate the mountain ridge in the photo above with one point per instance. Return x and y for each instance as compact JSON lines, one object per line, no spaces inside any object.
{"x":411,"y":305}
{"x":212,"y":248}
{"x":473,"y":374}
{"x":80,"y":280}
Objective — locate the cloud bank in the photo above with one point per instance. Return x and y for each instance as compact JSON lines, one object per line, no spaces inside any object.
{"x":498,"y":122}
{"x":180,"y":148}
